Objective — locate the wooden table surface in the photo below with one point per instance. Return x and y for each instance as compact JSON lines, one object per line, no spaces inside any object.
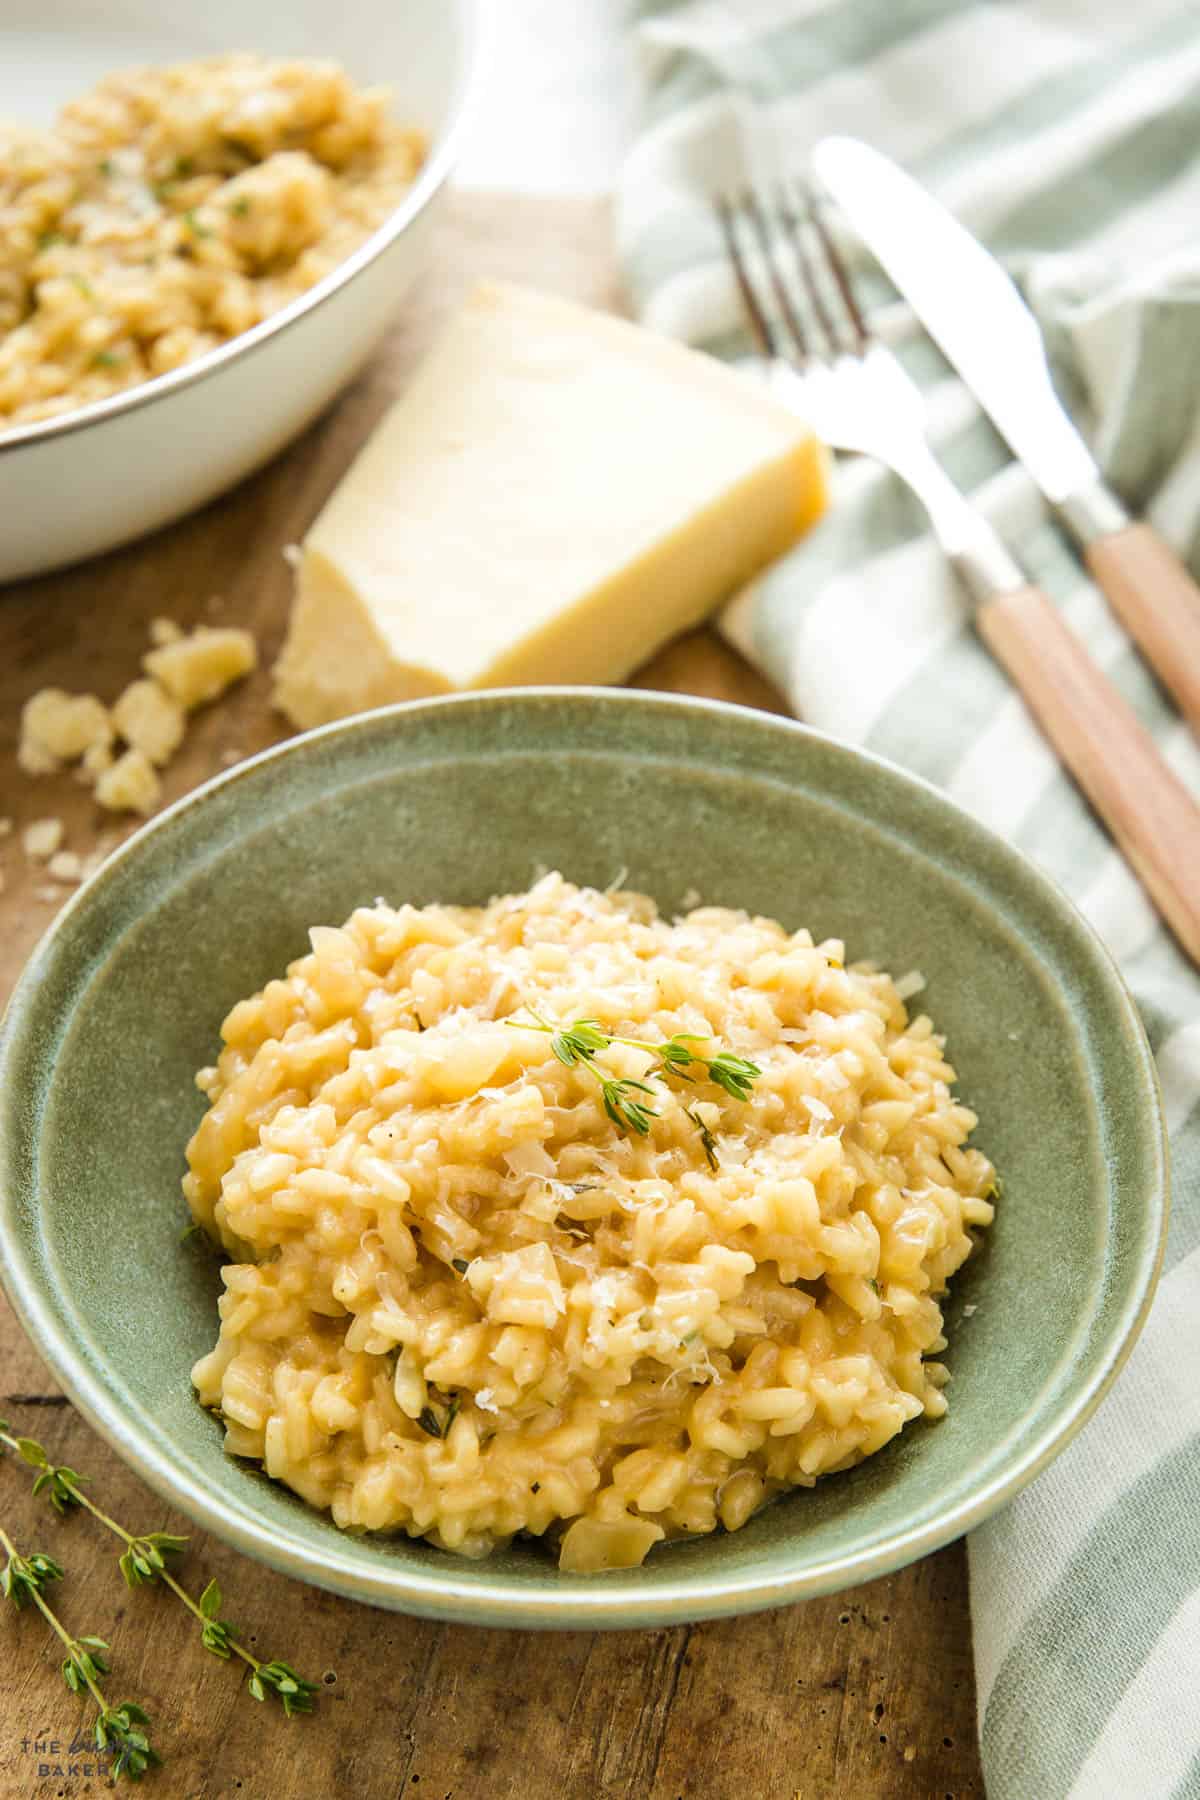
{"x":865,"y":1694}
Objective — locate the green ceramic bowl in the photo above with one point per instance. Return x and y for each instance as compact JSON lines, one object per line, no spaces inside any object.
{"x":464,"y":798}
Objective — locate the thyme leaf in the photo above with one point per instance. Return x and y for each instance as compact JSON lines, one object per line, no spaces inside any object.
{"x":706,"y":1137}
{"x":625,"y":1111}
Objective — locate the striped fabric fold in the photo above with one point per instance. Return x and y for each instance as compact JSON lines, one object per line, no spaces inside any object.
{"x":1066,"y":133}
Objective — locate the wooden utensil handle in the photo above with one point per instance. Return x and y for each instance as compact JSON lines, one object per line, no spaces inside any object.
{"x":1157,"y":601}
{"x":1107,"y":749}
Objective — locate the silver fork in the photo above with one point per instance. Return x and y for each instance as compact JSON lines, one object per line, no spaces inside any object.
{"x":824,"y":361}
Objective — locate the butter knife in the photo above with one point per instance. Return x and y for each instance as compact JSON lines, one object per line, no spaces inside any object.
{"x":973,"y":311}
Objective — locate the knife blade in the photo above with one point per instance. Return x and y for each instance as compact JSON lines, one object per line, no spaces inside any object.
{"x":967,"y":304}
{"x":974,"y":312}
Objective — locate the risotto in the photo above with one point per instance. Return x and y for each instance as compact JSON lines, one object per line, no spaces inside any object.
{"x":171,"y":209}
{"x":555,"y":1217}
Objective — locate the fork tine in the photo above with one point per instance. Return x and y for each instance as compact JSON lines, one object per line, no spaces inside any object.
{"x":763,"y":329}
{"x":812,"y":287}
{"x":753,"y":209}
{"x":837,"y":268}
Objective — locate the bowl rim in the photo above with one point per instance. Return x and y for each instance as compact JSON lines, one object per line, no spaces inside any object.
{"x":437,"y":1593}
{"x":431,"y":177}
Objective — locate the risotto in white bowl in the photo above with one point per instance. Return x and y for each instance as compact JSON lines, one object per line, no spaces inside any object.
{"x":208,"y":219}
{"x":554,"y":1217}
{"x":171,"y":209}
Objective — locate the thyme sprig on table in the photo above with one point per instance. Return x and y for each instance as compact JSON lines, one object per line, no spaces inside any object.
{"x":143,"y":1561}
{"x":119,"y":1729}
{"x":577,"y":1045}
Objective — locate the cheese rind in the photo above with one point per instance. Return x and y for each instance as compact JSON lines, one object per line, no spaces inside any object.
{"x":557,"y":494}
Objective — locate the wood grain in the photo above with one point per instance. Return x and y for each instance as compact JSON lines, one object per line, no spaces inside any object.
{"x":1157,"y":601}
{"x":1107,"y":749}
{"x":866,"y":1694}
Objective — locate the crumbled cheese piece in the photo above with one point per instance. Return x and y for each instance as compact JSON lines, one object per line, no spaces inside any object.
{"x":34,"y":760}
{"x":150,"y":720}
{"x":65,"y":865}
{"x":56,"y":727}
{"x":199,"y":667}
{"x":231,"y":756}
{"x":41,"y":839}
{"x":131,"y":785}
{"x":182,"y":671}
{"x":910,"y":984}
{"x":96,"y":759}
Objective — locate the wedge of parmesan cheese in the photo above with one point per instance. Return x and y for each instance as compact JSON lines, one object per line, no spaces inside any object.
{"x":557,"y":493}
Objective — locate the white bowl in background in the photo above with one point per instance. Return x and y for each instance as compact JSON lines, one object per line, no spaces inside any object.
{"x":95,"y":478}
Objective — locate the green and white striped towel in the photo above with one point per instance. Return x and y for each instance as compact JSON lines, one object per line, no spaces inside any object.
{"x":1066,"y":133}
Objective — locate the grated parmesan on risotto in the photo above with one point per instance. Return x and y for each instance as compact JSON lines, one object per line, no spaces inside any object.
{"x":171,"y":209}
{"x":465,"y":1303}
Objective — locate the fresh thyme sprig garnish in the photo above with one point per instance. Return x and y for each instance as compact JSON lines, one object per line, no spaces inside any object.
{"x":733,"y":1073}
{"x":625,"y":1111}
{"x":577,"y":1046}
{"x":143,"y":1562}
{"x":23,"y":1580}
{"x":706,"y":1137}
